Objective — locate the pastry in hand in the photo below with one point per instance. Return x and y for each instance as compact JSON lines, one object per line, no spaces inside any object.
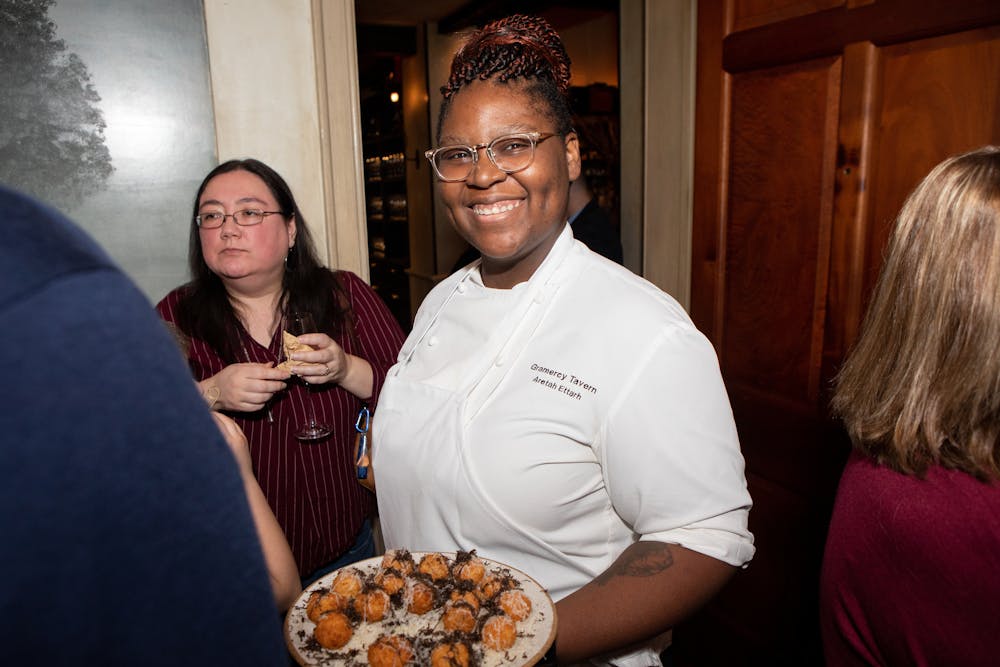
{"x":291,"y":344}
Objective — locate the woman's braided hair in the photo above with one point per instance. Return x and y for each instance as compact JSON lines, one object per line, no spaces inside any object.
{"x":518,"y":48}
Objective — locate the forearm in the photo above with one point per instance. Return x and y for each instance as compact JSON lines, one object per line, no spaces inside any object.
{"x":359,"y":378}
{"x":647,"y":590}
{"x":277,"y":554}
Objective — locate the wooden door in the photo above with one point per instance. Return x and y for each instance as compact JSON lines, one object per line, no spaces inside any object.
{"x":814,"y":119}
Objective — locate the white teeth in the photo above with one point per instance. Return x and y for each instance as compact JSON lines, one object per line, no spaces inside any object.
{"x":496,"y":208}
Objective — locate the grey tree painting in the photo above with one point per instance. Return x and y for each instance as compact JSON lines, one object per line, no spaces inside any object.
{"x":52,"y":137}
{"x":106,"y":114}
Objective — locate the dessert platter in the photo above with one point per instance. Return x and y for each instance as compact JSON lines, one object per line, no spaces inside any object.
{"x":422,"y":608}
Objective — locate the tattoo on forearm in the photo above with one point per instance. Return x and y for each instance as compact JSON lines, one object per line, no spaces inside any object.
{"x":644,"y":559}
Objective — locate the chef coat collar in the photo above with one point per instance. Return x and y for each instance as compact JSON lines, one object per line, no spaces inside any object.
{"x":563,"y":243}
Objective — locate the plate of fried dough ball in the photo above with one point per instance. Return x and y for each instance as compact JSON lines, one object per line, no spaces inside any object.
{"x":451,"y":609}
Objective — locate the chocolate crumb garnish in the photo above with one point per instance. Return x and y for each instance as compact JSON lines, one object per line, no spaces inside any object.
{"x":425,"y":632}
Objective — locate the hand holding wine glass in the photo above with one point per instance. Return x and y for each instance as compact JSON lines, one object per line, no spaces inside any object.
{"x":297,"y":324}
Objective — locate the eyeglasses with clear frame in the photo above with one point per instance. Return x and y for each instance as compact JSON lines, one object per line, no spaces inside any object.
{"x":509,"y":153}
{"x":248,"y":217}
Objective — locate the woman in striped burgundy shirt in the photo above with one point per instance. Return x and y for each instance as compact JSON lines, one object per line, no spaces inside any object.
{"x":253,"y":261}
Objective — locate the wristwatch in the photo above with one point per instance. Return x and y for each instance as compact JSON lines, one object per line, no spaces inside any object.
{"x":211,"y":395}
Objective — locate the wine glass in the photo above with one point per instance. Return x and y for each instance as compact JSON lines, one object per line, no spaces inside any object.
{"x":299,"y":323}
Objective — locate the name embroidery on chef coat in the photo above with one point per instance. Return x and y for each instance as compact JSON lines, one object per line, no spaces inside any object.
{"x":565,"y":383}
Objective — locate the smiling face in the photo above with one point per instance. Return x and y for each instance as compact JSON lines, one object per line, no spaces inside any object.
{"x":250,"y":257}
{"x":512,"y":219}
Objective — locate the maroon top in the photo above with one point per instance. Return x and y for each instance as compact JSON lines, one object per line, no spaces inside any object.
{"x":911,"y":574}
{"x":312,"y":487}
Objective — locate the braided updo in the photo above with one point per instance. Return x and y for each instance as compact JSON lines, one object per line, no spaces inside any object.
{"x":513,"y":49}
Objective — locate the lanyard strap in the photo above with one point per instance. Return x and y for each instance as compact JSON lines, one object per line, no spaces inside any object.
{"x":362,"y":426}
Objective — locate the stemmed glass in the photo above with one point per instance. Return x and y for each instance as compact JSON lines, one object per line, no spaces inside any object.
{"x":298,"y":324}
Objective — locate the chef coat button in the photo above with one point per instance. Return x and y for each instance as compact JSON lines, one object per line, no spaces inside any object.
{"x":432,"y":341}
{"x":461,"y":288}
{"x":498,"y":362}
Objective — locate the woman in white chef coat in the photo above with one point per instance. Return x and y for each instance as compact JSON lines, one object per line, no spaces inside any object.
{"x":552,"y":410}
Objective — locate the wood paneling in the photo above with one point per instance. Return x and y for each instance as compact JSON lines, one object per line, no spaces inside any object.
{"x":826,"y":33}
{"x":777,"y":235}
{"x":811,"y":128}
{"x":753,"y":13}
{"x":939,"y":97}
{"x":711,"y":182}
{"x":850,"y":218}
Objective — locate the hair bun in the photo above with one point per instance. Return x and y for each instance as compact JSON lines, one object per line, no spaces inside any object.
{"x":536,"y":34}
{"x":517,"y":46}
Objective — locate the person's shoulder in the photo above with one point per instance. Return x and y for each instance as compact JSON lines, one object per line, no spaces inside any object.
{"x":41,"y":244}
{"x":909,"y":505}
{"x":353,"y":285}
{"x":174,"y":296}
{"x":344,"y":275}
{"x":437,"y":296}
{"x":627,"y":312}
{"x":347,"y":279}
{"x":614,"y":289}
{"x":445,"y":287}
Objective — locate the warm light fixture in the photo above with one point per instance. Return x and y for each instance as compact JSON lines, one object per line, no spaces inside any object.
{"x":394,"y":97}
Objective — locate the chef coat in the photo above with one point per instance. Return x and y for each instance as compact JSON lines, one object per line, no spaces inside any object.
{"x":551,"y":425}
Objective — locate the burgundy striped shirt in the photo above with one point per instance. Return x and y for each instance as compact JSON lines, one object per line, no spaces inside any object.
{"x":311,"y":487}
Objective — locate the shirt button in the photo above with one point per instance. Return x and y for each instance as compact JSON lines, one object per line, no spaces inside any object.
{"x":461,"y":288}
{"x":432,"y":341}
{"x":498,"y":362}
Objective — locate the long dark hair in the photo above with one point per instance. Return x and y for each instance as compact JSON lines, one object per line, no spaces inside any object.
{"x":205,"y":310}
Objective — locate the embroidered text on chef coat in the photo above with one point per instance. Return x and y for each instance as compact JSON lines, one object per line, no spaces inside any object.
{"x":567,"y":384}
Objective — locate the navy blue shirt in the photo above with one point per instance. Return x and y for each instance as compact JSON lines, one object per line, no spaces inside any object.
{"x":125,"y":535}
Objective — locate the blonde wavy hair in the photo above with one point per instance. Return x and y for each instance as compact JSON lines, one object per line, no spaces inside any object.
{"x":922,"y":383}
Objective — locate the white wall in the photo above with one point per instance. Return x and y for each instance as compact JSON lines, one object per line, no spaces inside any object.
{"x":284,"y":86}
{"x":668,"y":164}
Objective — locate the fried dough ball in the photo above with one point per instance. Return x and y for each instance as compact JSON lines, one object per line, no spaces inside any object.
{"x":467,"y":597}
{"x":515,"y":604}
{"x":455,"y":654}
{"x":471,"y":569}
{"x":347,"y":584}
{"x":333,"y":630}
{"x":399,"y":560}
{"x":435,"y":566}
{"x":390,"y":651}
{"x":372,"y":605}
{"x":499,"y":632}
{"x":459,"y":616}
{"x":422,"y":597}
{"x":491,"y":586}
{"x":390,"y":581}
{"x":322,"y":602}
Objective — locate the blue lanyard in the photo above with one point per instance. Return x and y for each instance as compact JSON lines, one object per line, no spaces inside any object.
{"x":361,"y":426}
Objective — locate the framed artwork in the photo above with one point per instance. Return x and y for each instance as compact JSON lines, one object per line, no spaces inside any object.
{"x":107,"y":115}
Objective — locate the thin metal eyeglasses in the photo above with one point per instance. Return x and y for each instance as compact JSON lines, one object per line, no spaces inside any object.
{"x":245,"y":218}
{"x":509,"y":153}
